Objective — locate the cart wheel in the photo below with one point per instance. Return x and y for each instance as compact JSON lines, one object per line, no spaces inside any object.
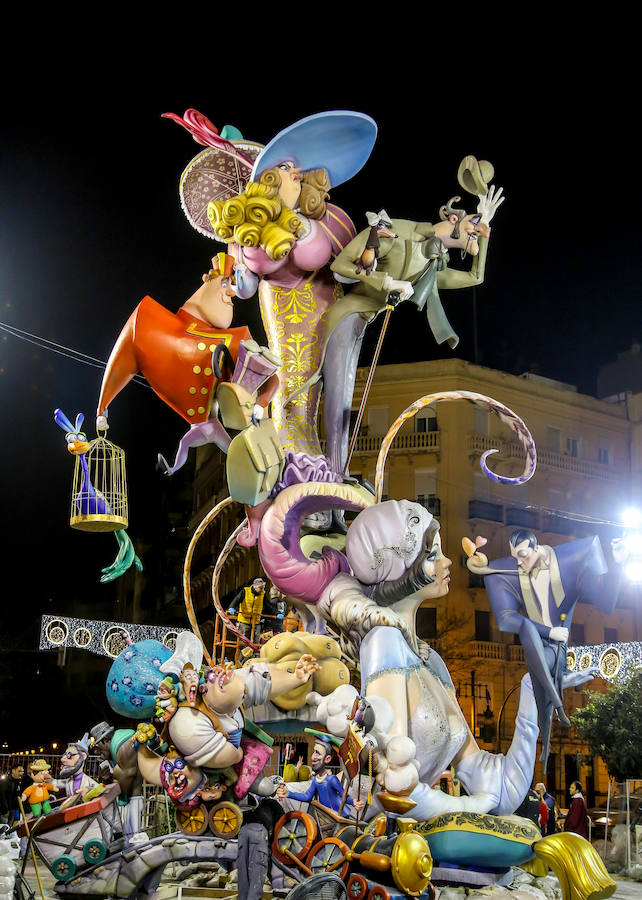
{"x":326,"y":854}
{"x":194,"y":821}
{"x":225,"y":820}
{"x":94,"y":851}
{"x":296,"y":832}
{"x":64,"y":868}
{"x":357,"y":887}
{"x":378,"y":892}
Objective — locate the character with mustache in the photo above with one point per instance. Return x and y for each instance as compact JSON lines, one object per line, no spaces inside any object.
{"x":73,"y":779}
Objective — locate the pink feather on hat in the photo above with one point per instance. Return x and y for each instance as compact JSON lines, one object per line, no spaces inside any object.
{"x":203,"y":131}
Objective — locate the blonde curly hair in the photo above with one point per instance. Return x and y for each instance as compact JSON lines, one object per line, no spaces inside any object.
{"x":258,"y":216}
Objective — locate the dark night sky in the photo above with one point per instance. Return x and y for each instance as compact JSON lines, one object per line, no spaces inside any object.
{"x":90,"y":222}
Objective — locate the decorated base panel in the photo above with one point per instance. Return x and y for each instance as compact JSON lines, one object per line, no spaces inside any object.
{"x":492,"y":843}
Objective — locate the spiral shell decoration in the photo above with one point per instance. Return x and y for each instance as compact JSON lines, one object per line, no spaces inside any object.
{"x":507,"y":416}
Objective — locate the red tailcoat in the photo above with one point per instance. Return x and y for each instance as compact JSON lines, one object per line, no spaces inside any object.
{"x":174,"y":353}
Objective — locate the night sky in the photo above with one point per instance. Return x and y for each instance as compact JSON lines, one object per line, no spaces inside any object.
{"x":90,"y":222}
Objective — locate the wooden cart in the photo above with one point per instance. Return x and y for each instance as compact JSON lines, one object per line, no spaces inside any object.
{"x":73,"y":838}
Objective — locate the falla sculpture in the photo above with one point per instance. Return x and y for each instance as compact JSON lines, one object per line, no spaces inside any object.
{"x":373,"y":691}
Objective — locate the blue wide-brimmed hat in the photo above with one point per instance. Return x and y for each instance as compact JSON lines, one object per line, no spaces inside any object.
{"x":339,"y":141}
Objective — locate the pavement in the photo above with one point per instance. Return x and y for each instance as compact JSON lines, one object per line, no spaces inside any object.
{"x":626,"y":888}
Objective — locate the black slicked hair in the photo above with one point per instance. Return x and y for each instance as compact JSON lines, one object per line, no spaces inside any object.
{"x":522,"y":534}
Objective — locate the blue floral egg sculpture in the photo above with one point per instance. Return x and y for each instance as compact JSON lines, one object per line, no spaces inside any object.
{"x":134,"y":678}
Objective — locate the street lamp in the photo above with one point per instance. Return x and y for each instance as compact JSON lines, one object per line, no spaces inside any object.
{"x":633,"y":571}
{"x":482,"y":725}
{"x":487,"y":722}
{"x":632,"y":539}
{"x":632,"y":517}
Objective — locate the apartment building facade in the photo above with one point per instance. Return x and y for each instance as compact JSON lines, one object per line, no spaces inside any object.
{"x":589,"y":467}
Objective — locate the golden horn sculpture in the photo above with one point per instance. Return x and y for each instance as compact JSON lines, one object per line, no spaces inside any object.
{"x":578,"y":866}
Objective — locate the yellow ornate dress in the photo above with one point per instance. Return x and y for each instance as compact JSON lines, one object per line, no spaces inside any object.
{"x":295,"y":294}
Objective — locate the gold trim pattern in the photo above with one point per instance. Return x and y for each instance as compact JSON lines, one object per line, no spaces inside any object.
{"x":204,"y":332}
{"x":514,"y":827}
{"x":294,"y":305}
{"x":293,"y":320}
{"x":571,"y":660}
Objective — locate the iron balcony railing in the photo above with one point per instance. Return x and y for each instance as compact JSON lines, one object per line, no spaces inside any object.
{"x":479,"y":443}
{"x":371,"y":443}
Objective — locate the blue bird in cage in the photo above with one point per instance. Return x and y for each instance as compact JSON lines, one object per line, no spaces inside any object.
{"x":89,"y":501}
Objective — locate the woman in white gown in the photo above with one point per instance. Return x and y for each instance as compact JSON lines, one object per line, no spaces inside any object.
{"x":394,"y":551}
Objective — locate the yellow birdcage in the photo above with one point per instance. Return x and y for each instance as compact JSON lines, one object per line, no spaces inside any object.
{"x":99,"y":496}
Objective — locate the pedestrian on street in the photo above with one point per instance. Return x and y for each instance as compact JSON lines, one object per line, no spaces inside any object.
{"x":577,"y":813}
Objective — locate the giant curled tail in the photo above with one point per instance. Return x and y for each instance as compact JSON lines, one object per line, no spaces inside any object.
{"x":280,"y":551}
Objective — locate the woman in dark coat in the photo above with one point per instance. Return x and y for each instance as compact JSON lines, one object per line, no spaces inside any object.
{"x":576,"y":818}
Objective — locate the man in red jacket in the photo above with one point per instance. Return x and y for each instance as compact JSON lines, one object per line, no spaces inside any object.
{"x":175,"y":351}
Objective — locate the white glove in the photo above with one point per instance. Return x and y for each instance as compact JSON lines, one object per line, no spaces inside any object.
{"x":621,"y":551}
{"x":401,"y":771}
{"x":405,"y":289}
{"x":489,"y":204}
{"x":558,"y":633}
{"x":101,"y":423}
{"x":258,"y":412}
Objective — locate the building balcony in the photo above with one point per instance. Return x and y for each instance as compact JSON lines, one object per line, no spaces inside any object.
{"x":522,"y":518}
{"x":483,"y":509}
{"x":487,"y":650}
{"x":370,"y":444}
{"x":476,"y":444}
{"x":516,"y":654}
{"x":558,"y":524}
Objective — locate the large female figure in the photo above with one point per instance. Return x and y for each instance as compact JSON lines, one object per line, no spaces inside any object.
{"x":369,"y":598}
{"x":394,"y":551}
{"x":285,"y":234}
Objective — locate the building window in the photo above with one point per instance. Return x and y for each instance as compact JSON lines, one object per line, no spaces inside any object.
{"x":481,"y":486}
{"x":610,"y":635}
{"x":480,"y":425}
{"x":573,"y":446}
{"x":577,"y":638}
{"x":427,"y":623}
{"x":553,"y":439}
{"x":482,"y":625}
{"x":425,"y":483}
{"x":426,"y":421}
{"x":378,"y":419}
{"x":603,"y":456}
